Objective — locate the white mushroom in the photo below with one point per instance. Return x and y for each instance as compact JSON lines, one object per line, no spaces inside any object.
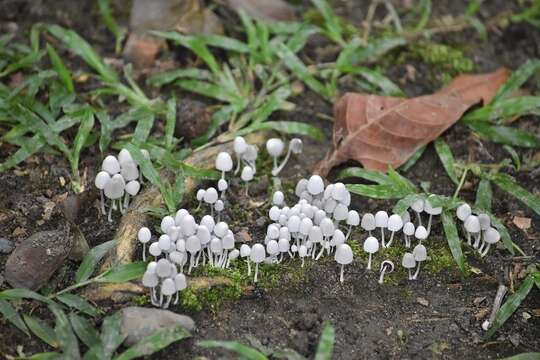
{"x":275,"y":148}
{"x":418,"y":207}
{"x":295,"y":147}
{"x":114,"y":190}
{"x":421,"y":233}
{"x":166,"y":223}
{"x":151,"y":280}
{"x":485,"y":223}
{"x":353,"y":219}
{"x":381,"y":221}
{"x":302,"y":253}
{"x":111,"y":165}
{"x":200,"y":196}
{"x":224,"y":163}
{"x":315,"y":185}
{"x":132,"y":189}
{"x":144,"y":235}
{"x":386,"y":267}
{"x":343,"y":256}
{"x":168,"y":289}
{"x":257,"y":255}
{"x":180,"y":282}
{"x":420,"y":254}
{"x":431,"y":211}
{"x":491,"y":236}
{"x":154,"y":249}
{"x":368,"y":222}
{"x":247,"y":176}
{"x":222,"y":187}
{"x":245,"y":251}
{"x":463,"y":212}
{"x":408,"y":231}
{"x":472,"y":226}
{"x":219,"y":206}
{"x":240,"y":148}
{"x":408,"y":263}
{"x":395,"y":223}
{"x":278,"y":198}
{"x":102,"y":178}
{"x":371,"y":246}
{"x":284,"y":247}
{"x":250,"y":156}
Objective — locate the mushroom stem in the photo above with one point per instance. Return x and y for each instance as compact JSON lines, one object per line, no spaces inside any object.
{"x":391,"y":239}
{"x":369,"y":232}
{"x":381,"y":278}
{"x":238,"y":163}
{"x":320,"y":252}
{"x":369,"y":262}
{"x":429,"y":224}
{"x":223,"y":175}
{"x":484,"y":253}
{"x":160,"y":299}
{"x":313,"y":250}
{"x":419,"y":218}
{"x":176,"y":299}
{"x":382,"y":237}
{"x":211,"y":210}
{"x":276,"y":171}
{"x":249,"y":267}
{"x":341,"y":279}
{"x":144,"y":252}
{"x":469,"y":238}
{"x":477,"y":239}
{"x":153,"y":297}
{"x":126,"y":202}
{"x":417,"y":271}
{"x":348,"y":233}
{"x":167,"y":302}
{"x":109,"y":216}
{"x":410,"y":275}
{"x":247,"y":190}
{"x":302,"y":261}
{"x":256,"y":272}
{"x":103,"y":211}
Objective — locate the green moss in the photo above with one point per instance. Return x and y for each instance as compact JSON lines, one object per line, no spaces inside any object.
{"x":141,"y":300}
{"x":444,"y":57}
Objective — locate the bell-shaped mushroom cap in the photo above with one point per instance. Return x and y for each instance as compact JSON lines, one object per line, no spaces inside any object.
{"x":166,"y":223}
{"x":408,"y":229}
{"x":114,"y":189}
{"x":168,"y":287}
{"x":239,"y":145}
{"x":216,"y":246}
{"x":353,"y":218}
{"x":272,"y":231}
{"x":278,"y":198}
{"x":144,"y":235}
{"x":406,"y":217}
{"x":177,"y":257}
{"x":319,"y":215}
{"x":258,"y":253}
{"x":222,"y":185}
{"x":371,"y":245}
{"x":485,"y":221}
{"x":221,"y":229}
{"x":203,"y":234}
{"x":219,"y":206}
{"x":463,"y":212}
{"x":247,"y":174}
{"x":224,"y":161}
{"x":210,"y":196}
{"x":421,"y":233}
{"x":472,"y":224}
{"x":328,"y":191}
{"x":274,"y":213}
{"x":305,"y":225}
{"x":188,"y":225}
{"x":284,"y":245}
{"x":102,"y":178}
{"x":395,"y":223}
{"x":180,"y":282}
{"x":368,"y":222}
{"x":154,"y":249}
{"x":327,"y":227}
{"x":341,"y":212}
{"x":302,"y":251}
{"x":275,"y":147}
{"x":301,"y":186}
{"x":294,"y":224}
{"x":272,"y":248}
{"x":339,"y":191}
{"x":491,"y":236}
{"x":164,"y":243}
{"x":111,"y":165}
{"x":233,"y":255}
{"x":296,"y":146}
{"x":163,"y":268}
{"x":430,"y":209}
{"x":389,"y":264}
{"x":151,"y":267}
{"x":150,"y":279}
{"x":180,"y":215}
{"x":133,"y":187}
{"x":408,"y":261}
{"x":418,"y":205}
{"x":284,"y":233}
{"x":228,"y":241}
{"x":330,"y":205}
{"x":347,"y":200}
{"x":306,"y":196}
{"x":245,"y":250}
{"x":181,"y":245}
{"x":208,"y":222}
{"x":294,"y":248}
{"x":381,"y":219}
{"x":338,"y":238}
{"x":129,"y":170}
{"x":193,"y":244}
{"x":315,"y":234}
{"x":307,"y":210}
{"x":124,"y":156}
{"x":420,"y":252}
{"x":343,"y":254}
{"x":200,"y":194}
{"x":251,"y":153}
{"x":315,"y":185}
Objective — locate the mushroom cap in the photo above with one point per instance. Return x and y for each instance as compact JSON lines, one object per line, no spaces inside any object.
{"x":150,"y":279}
{"x":347,"y":200}
{"x":154,"y":249}
{"x":327,"y":227}
{"x":216,"y":246}
{"x":315,"y":185}
{"x":408,"y":229}
{"x":293,"y":224}
{"x":353,"y":218}
{"x":278,"y":198}
{"x":164,"y":242}
{"x":177,"y":257}
{"x":258,"y":253}
{"x":388,"y":263}
{"x":301,"y":186}
{"x":180,"y":282}
{"x":228,"y":241}
{"x":420,"y":252}
{"x":200,"y":194}
{"x":430,"y":209}
{"x":381,"y":219}
{"x":305,"y":225}
{"x":133,"y":187}
{"x":284,"y":233}
{"x":368,"y":222}
{"x":485,"y":221}
{"x":111,"y":165}
{"x":222,"y":185}
{"x":344,"y":254}
{"x":421,"y":233}
{"x":210,"y":195}
{"x":330,"y":205}
{"x":203,"y":234}
{"x":168,"y":287}
{"x":275,"y":147}
{"x":339,"y":191}
{"x":124,"y":155}
{"x":193,"y":244}
{"x":491,"y":236}
{"x":251,"y":153}
{"x":163,"y":268}
{"x":224,"y":161}
{"x":233,"y":255}
{"x":208,"y":222}
{"x":274,"y":213}
{"x":144,"y":235}
{"x":245,"y":250}
{"x":463,"y":212}
{"x":338,"y":238}
{"x":239,"y":145}
{"x":294,"y":248}
{"x":315,"y":234}
{"x":472,"y":224}
{"x":188,"y":225}
{"x":129,"y":170}
{"x":284,"y":245}
{"x":219,"y":206}
{"x":318,"y":216}
{"x":166,"y":223}
{"x":408,"y":261}
{"x":341,"y":212}
{"x":151,"y":267}
{"x":221,"y":229}
{"x":272,"y":231}
{"x":418,"y":205}
{"x":179,"y":215}
{"x":247,"y":174}
{"x":307,"y":210}
{"x":328,"y":191}
{"x":296,"y":146}
{"x":302,"y":251}
{"x":114,"y":189}
{"x":272,"y":248}
{"x":181,"y":245}
{"x":395,"y":223}
{"x":371,"y":245}
{"x":102,"y":178}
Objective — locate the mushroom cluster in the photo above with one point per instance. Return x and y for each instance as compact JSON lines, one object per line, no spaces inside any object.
{"x":477,"y":227}
{"x":118,"y":180}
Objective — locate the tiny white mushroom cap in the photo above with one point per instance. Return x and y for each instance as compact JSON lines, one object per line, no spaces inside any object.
{"x":233,"y":255}
{"x":278,"y":198}
{"x":181,"y":245}
{"x":408,"y":261}
{"x":258,"y":253}
{"x":463,"y":212}
{"x":193,"y":244}
{"x":111,"y":165}
{"x":163,"y":268}
{"x":180,"y":282}
{"x":491,"y":236}
{"x":251,"y":153}
{"x":154,"y":249}
{"x":272,"y":248}
{"x":180,"y":215}
{"x":296,"y":145}
{"x":319,"y":215}
{"x":330,"y":205}
{"x":388,"y":263}
{"x":485,"y":221}
{"x":102,"y":178}
{"x":224,"y":161}
{"x":228,"y":242}
{"x":219,"y":206}
{"x":114,"y":189}
{"x":124,"y":155}
{"x":208,"y":222}
{"x":420,"y":252}
{"x":188,"y":225}
{"x":344,"y":254}
{"x":301,"y":186}
{"x":272,"y":231}
{"x":284,"y":245}
{"x":395,"y":223}
{"x":166,"y":223}
{"x":368,"y":222}
{"x":371,"y":245}
{"x":275,"y":147}
{"x":430,"y":209}
{"x":144,"y":235}
{"x":168,"y":287}
{"x":129,"y":170}
{"x":341,"y":212}
{"x":381,"y":219}
{"x":305,"y":225}
{"x":307,"y":210}
{"x":418,"y":205}
{"x":315,"y":234}
{"x":294,"y":224}
{"x":274,"y":213}
{"x":240,"y":145}
{"x":177,"y":257}
{"x":353,"y":218}
{"x":200,"y":194}
{"x":328,"y":191}
{"x":302,"y":250}
{"x":327,"y":227}
{"x":210,"y":195}
{"x":409,"y":229}
{"x":406,"y":217}
{"x":315,"y":185}
{"x":421,"y":233}
{"x":222,"y":185}
{"x":245,"y":250}
{"x":203,"y":234}
{"x":150,"y":279}
{"x":216,"y":246}
{"x":247,"y":174}
{"x":472,"y":224}
{"x":294,"y":248}
{"x":338,"y":238}
{"x":284,"y":233}
{"x":221,"y":229}
{"x":347,"y":200}
{"x":339,"y":191}
{"x":151,"y":267}
{"x":133,"y":187}
{"x":164,"y":243}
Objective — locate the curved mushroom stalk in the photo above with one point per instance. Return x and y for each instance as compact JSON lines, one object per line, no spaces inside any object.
{"x":295,"y":146}
{"x":386,"y":267}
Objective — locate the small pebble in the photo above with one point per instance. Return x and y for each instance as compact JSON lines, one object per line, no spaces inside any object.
{"x":6,"y":246}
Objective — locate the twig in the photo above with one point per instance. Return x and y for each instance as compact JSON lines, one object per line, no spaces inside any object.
{"x":501,"y":291}
{"x":394,"y":15}
{"x":369,"y":18}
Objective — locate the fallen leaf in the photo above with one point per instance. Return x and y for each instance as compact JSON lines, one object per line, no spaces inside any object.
{"x":277,"y":10}
{"x":382,"y":131}
{"x":422,"y":301}
{"x":522,"y":223}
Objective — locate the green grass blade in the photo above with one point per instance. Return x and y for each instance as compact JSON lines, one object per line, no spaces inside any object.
{"x":60,"y":68}
{"x":447,"y":159}
{"x":514,"y":155}
{"x":124,"y":273}
{"x":425,"y":7}
{"x":85,"y":127}
{"x":370,"y":175}
{"x":383,"y":191}
{"x":27,"y":149}
{"x":225,"y":42}
{"x":207,"y":89}
{"x":507,"y":183}
{"x":413,"y":159}
{"x":387,"y":86}
{"x":505,"y":109}
{"x":326,"y":343}
{"x":90,"y":261}
{"x":22,"y":63}
{"x":145,"y":122}
{"x":452,"y":237}
{"x":15,"y":294}
{"x":244,"y":351}
{"x":273,"y":103}
{"x":356,"y":53}
{"x":504,"y":134}
{"x":167,"y":77}
{"x":484,"y":195}
{"x":300,"y":38}
{"x":84,"y":330}
{"x":170,"y":122}
{"x":287,"y":127}
{"x":111,"y":335}
{"x":111,"y":24}
{"x":251,"y":33}
{"x":46,"y":356}
{"x":146,"y":166}
{"x":332,"y":24}
{"x":12,"y":316}
{"x":510,"y":306}
{"x":401,"y":182}
{"x":155,"y":342}
{"x":517,"y":79}
{"x":42,"y":330}
{"x":65,"y":335}
{"x":77,"y":302}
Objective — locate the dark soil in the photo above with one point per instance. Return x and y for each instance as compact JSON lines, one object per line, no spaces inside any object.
{"x":437,"y":316}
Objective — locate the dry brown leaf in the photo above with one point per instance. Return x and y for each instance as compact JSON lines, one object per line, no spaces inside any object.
{"x":382,"y":131}
{"x":523,"y":223}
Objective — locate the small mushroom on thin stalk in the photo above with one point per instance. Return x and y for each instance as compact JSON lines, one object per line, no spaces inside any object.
{"x":485,"y":224}
{"x":257,"y":255}
{"x":180,"y":282}
{"x":371,"y":246}
{"x":233,"y":255}
{"x":386,"y":267}
{"x":114,"y":190}
{"x":420,"y":254}
{"x":224,"y":163}
{"x":154,"y":249}
{"x":144,"y":236}
{"x":278,"y":199}
{"x":247,"y":176}
{"x":315,"y":185}
{"x":272,"y":248}
{"x":102,"y":178}
{"x":295,"y":147}
{"x":284,"y":247}
{"x":302,"y":253}
{"x":368,"y":223}
{"x":408,"y":263}
{"x":151,"y":280}
{"x":381,"y":221}
{"x":200,"y":196}
{"x":210,"y":197}
{"x":395,"y":223}
{"x":219,"y":206}
{"x":245,"y":251}
{"x":418,"y":207}
{"x":132,"y":189}
{"x":111,"y":165}
{"x":240,"y":147}
{"x":343,"y":256}
{"x":431,"y":211}
{"x":275,"y":148}
{"x":166,"y":223}
{"x":491,"y":236}
{"x":463,"y":212}
{"x":408,"y":231}
{"x":250,"y":156}
{"x":168,"y":288}
{"x":222,"y":187}
{"x":353,"y":219}
{"x":421,"y":233}
{"x":472,"y":226}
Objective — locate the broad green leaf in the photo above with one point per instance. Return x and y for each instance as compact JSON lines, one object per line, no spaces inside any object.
{"x":111,"y":335}
{"x":108,"y":126}
{"x":207,"y":89}
{"x":403,"y":204}
{"x":288,"y":127}
{"x":376,"y":78}
{"x":505,"y":109}
{"x":64,"y":333}
{"x":155,"y":342}
{"x":326,"y":343}
{"x":42,"y":330}
{"x":244,"y":351}
{"x":484,"y":195}
{"x":144,"y":125}
{"x":401,"y":182}
{"x":60,"y":68}
{"x":452,"y":237}
{"x":251,"y":32}
{"x":13,"y":316}
{"x":413,"y":159}
{"x":370,"y":175}
{"x":517,"y":79}
{"x":90,"y":261}
{"x":331,"y":21}
{"x":84,"y":330}
{"x":525,"y":356}
{"x":447,"y":159}
{"x":504,"y":134}
{"x":510,"y":306}
{"x":77,"y":302}
{"x":170,"y":122}
{"x":15,"y":294}
{"x":382,"y":191}
{"x":508,"y":184}
{"x":124,"y":272}
{"x":167,"y":77}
